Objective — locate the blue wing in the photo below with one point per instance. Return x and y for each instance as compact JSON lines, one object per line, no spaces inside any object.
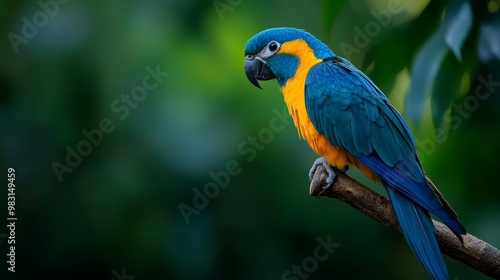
{"x":348,"y":108}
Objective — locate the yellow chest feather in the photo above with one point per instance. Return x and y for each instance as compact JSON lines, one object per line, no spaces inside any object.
{"x":293,"y":93}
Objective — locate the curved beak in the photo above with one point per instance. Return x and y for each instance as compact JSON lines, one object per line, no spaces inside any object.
{"x":256,"y":69}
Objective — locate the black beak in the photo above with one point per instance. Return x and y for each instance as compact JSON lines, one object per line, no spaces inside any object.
{"x":256,"y":70}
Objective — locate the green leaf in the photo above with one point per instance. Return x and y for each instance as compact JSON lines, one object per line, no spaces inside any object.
{"x":330,"y":10}
{"x":425,"y":67}
{"x":458,"y":24}
{"x":429,"y":59}
{"x":489,"y":41}
{"x":446,"y":87}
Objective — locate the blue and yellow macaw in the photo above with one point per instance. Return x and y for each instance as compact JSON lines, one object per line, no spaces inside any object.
{"x":348,"y":121}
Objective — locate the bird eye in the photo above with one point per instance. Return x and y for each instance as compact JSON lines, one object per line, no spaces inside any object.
{"x":273,"y":46}
{"x":269,"y":50}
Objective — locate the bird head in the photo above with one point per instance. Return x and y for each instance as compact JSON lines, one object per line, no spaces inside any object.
{"x":277,"y":53}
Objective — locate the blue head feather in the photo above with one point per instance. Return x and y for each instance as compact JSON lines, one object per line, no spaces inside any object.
{"x":284,"y":34}
{"x":284,"y":65}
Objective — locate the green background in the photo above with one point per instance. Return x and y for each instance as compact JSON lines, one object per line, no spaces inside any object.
{"x":119,"y":207}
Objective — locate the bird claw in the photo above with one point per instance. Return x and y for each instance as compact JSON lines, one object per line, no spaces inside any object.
{"x":320,"y":185}
{"x":329,"y":169}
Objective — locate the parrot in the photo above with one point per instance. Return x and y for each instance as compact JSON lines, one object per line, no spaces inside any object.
{"x":348,"y":121}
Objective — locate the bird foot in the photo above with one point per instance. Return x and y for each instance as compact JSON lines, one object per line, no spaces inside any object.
{"x":315,"y":190}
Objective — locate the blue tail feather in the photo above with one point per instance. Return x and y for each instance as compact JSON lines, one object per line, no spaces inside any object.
{"x":418,"y":231}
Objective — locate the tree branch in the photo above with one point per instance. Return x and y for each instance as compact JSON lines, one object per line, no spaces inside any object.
{"x":474,"y":252}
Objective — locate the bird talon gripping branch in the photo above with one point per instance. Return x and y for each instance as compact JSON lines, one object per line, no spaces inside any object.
{"x":331,"y":172}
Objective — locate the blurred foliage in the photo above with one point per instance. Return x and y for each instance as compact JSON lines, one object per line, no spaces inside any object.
{"x":119,"y":207}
